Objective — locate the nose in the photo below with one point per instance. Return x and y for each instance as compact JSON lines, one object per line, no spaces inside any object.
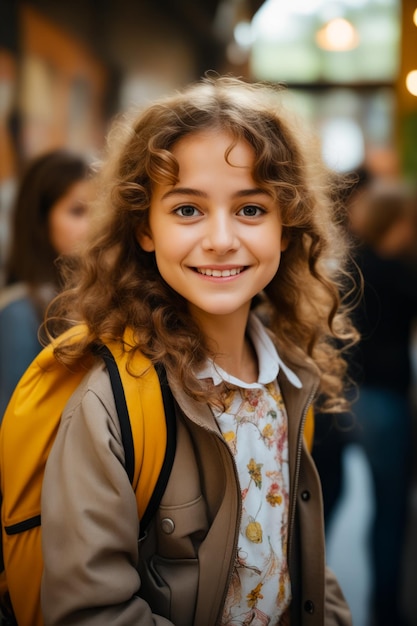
{"x":221,"y":234}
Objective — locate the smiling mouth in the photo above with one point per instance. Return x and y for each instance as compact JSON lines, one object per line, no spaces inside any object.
{"x":219,"y":273}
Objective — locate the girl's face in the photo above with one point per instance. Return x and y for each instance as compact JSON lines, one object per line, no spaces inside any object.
{"x":216,"y":235}
{"x":69,"y":218}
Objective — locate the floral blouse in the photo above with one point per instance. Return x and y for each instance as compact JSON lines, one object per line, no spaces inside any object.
{"x":254,"y":424}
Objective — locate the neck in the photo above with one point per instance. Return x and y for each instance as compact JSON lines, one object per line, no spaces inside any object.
{"x":234,"y":353}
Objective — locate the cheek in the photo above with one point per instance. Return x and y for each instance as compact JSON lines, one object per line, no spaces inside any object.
{"x":270,"y":255}
{"x":172,"y":242}
{"x":67,"y":232}
{"x":167,"y":249}
{"x":271,"y":243}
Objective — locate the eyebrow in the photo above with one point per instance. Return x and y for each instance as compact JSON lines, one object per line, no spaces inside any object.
{"x":188,"y":191}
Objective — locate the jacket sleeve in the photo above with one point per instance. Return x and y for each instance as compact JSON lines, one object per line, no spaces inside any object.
{"x":337,"y":612}
{"x":89,"y":519}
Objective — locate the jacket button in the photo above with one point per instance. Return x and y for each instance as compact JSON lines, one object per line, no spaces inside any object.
{"x":305,"y":495}
{"x":309,"y":607}
{"x":168,"y":526}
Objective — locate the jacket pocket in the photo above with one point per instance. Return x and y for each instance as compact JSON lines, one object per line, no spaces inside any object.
{"x":171,"y":588}
{"x":168,"y":563}
{"x":181,"y":529}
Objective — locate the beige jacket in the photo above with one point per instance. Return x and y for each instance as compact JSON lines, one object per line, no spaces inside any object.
{"x":95,"y":570}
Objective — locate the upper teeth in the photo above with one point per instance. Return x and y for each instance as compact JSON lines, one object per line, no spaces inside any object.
{"x":219,"y":273}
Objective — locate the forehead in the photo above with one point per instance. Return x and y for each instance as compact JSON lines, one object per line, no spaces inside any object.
{"x":210,"y":145}
{"x":212,"y":162}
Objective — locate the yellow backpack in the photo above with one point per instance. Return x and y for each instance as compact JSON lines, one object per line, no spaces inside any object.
{"x":145,"y":409}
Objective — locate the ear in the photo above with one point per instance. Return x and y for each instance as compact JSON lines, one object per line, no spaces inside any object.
{"x":144,"y":239}
{"x":285,"y":239}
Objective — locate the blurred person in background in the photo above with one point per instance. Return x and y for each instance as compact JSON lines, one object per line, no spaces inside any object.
{"x":50,"y":219}
{"x":383,"y":225}
{"x":333,"y":432}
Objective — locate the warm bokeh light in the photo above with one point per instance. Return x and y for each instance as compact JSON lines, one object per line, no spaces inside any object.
{"x":337,"y":35}
{"x":415,"y":17}
{"x":411,"y":82}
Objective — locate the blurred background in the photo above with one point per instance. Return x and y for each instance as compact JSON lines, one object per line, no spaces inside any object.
{"x":350,"y":67}
{"x":66,"y":68}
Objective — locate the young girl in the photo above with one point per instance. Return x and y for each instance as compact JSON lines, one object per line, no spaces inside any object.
{"x":219,"y":254}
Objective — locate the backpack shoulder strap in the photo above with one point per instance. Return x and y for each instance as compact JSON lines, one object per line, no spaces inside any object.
{"x":121,"y":408}
{"x":128,"y":438}
{"x":171,"y":424}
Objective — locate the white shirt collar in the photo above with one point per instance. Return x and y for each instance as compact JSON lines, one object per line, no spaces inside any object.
{"x":269,"y":361}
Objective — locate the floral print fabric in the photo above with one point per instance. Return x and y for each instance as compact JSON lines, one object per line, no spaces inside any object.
{"x":254,"y":424}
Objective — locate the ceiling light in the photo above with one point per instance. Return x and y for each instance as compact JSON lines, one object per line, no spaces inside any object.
{"x":337,"y":35}
{"x":411,"y":82}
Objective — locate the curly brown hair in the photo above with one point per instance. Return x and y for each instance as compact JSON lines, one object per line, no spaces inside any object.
{"x":117,"y":284}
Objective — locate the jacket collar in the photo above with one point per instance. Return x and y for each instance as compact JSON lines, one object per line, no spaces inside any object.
{"x":269,"y":361}
{"x":297,"y":400}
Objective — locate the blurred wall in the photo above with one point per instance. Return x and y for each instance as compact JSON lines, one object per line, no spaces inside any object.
{"x":67,"y":67}
{"x":407,"y":103}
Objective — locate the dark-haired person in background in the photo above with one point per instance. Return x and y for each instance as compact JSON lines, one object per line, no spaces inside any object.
{"x":50,"y":218}
{"x":383,"y":226}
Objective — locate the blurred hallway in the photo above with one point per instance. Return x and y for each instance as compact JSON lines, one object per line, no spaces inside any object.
{"x":347,"y":553}
{"x":346,"y":546}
